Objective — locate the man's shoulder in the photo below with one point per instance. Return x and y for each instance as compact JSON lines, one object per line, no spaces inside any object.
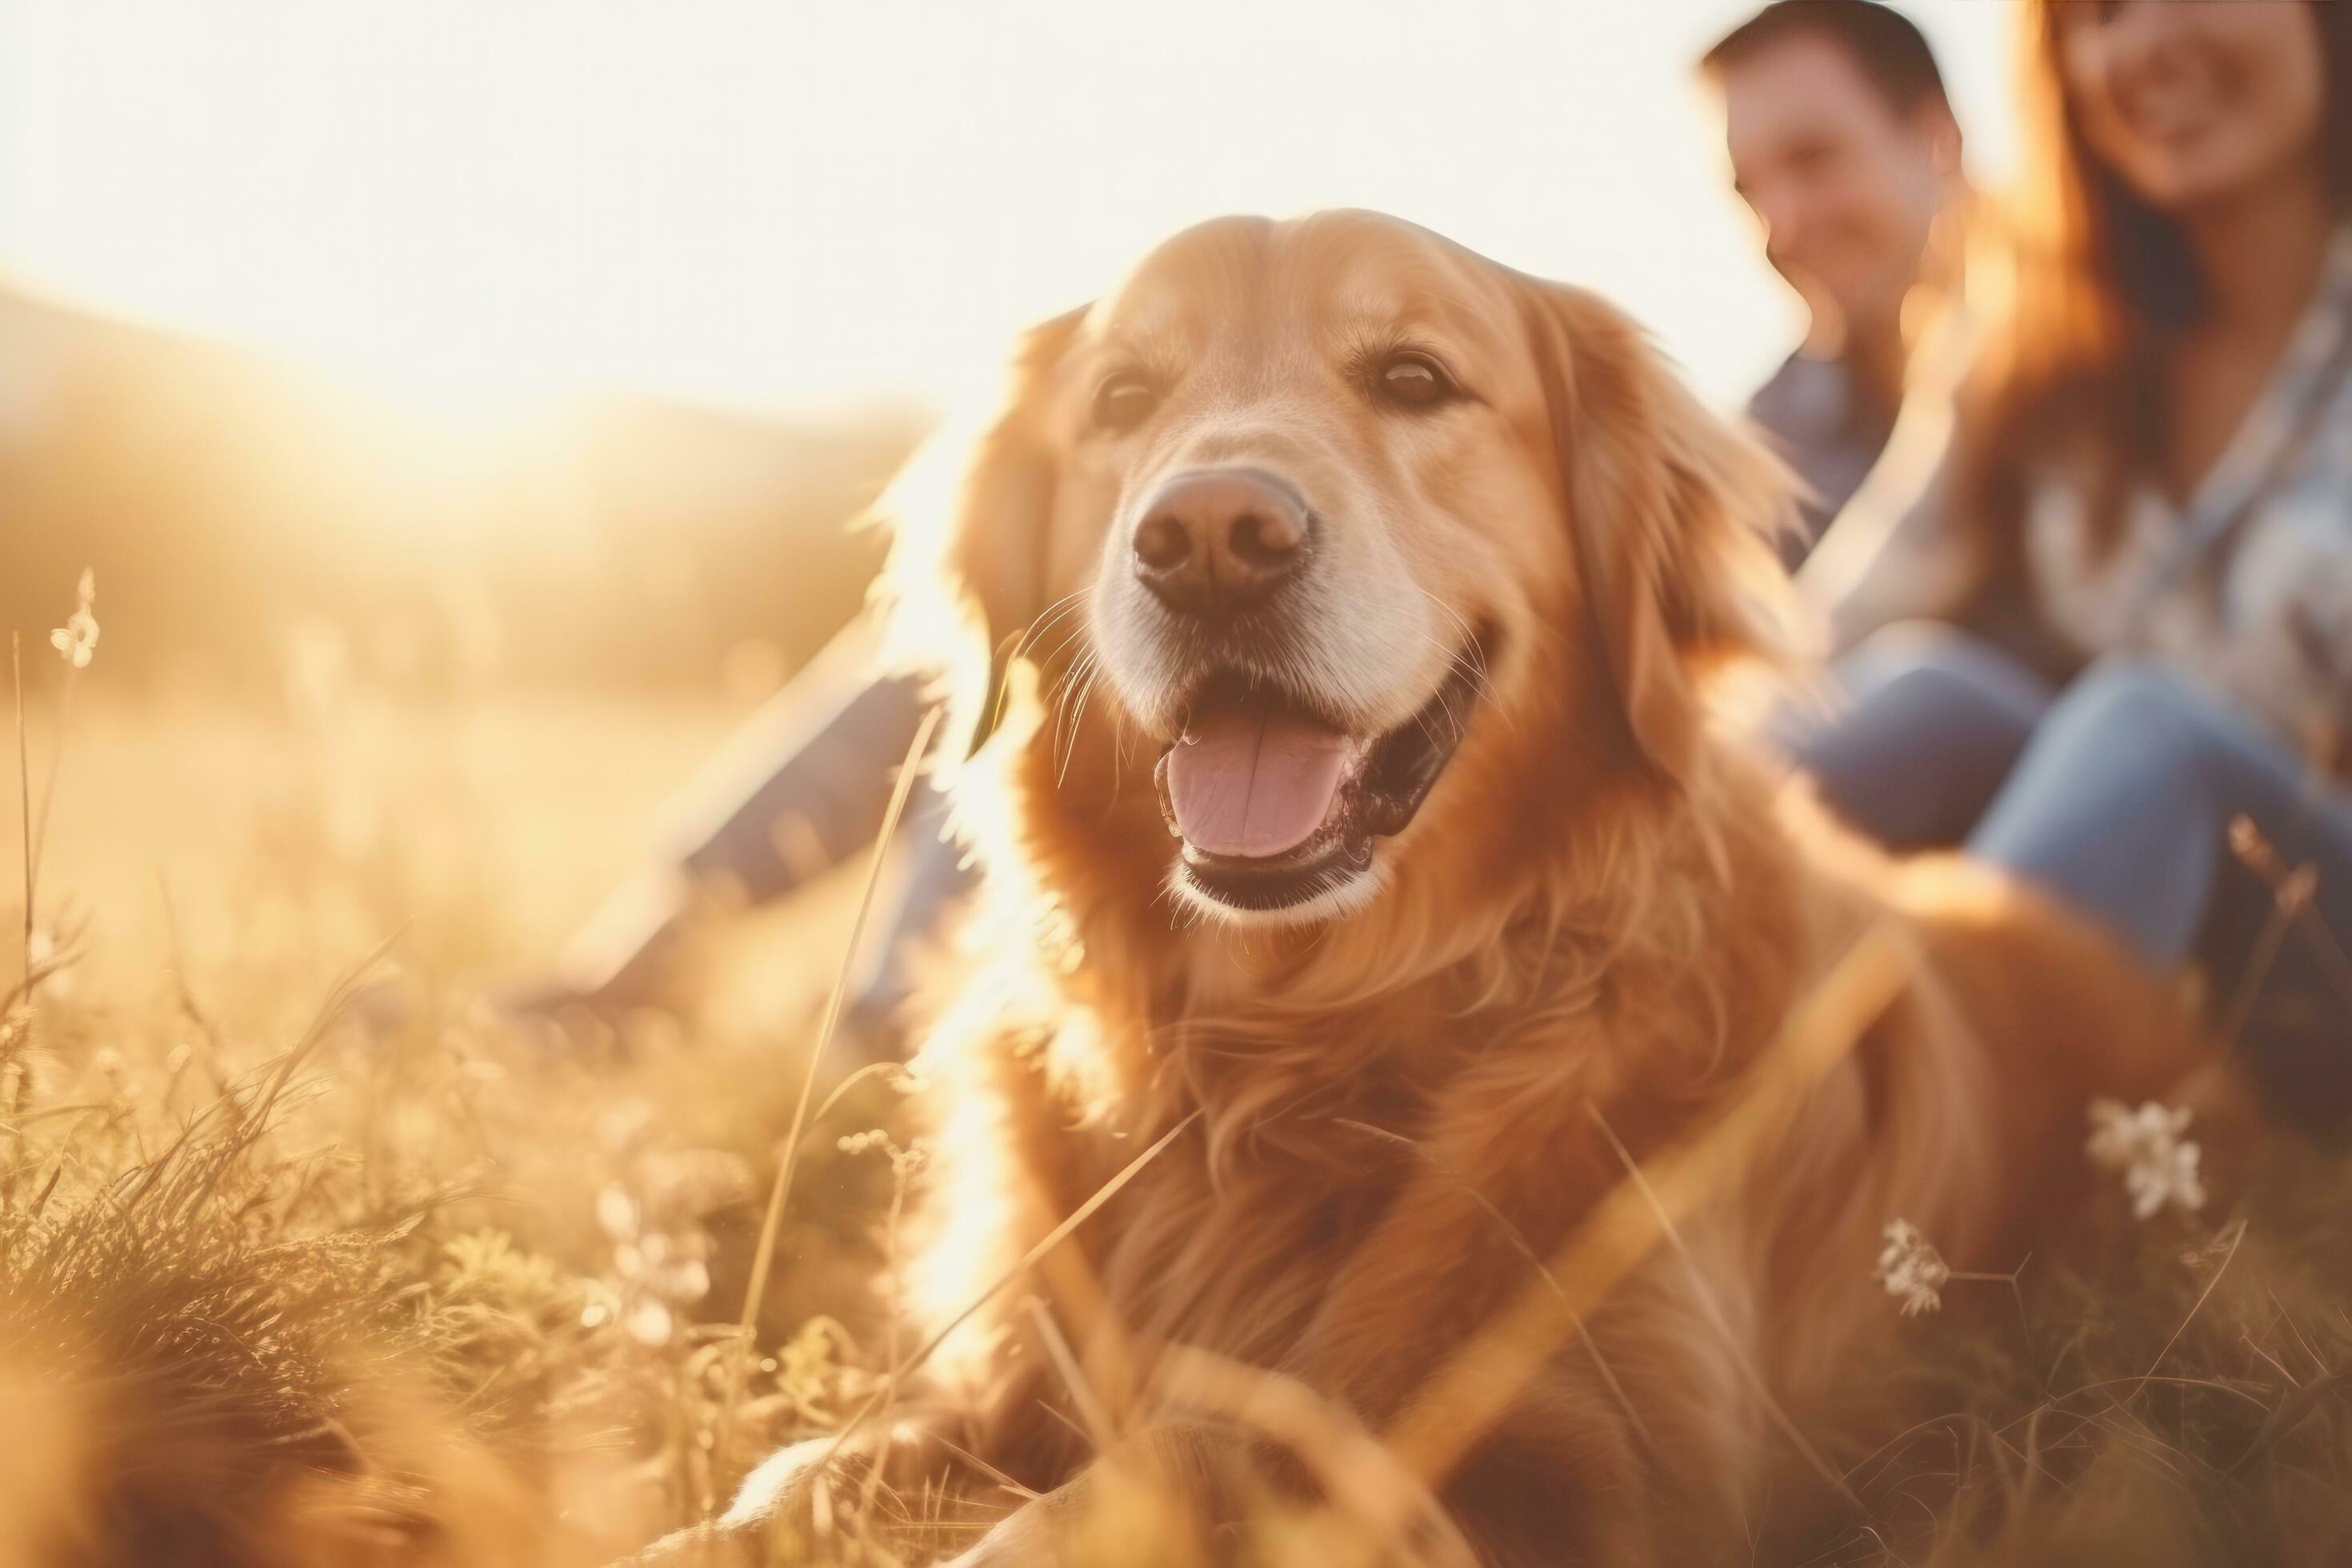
{"x":1805,"y":398}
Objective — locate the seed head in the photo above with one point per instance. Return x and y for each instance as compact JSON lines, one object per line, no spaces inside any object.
{"x":2157,"y":1164}
{"x":77,"y":640}
{"x":1912,"y":1271}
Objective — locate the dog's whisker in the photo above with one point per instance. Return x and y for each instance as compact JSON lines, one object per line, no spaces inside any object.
{"x":1051,"y":615}
{"x":1075,"y":632}
{"x":1002,"y":695}
{"x":1072,"y":714}
{"x":1064,"y":703}
{"x":1076,"y":629}
{"x":1093,"y":668}
{"x":1067,"y":682}
{"x":1467,"y":657}
{"x":1031,"y":639}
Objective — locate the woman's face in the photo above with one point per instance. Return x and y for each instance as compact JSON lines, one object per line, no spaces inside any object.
{"x":2194,"y":103}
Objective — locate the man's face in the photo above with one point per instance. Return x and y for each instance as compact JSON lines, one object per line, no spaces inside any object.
{"x":1845,"y":186}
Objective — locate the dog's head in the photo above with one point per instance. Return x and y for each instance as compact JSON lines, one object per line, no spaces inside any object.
{"x":1384,"y":555}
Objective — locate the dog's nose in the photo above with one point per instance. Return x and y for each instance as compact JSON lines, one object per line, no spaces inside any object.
{"x":1214,"y":542}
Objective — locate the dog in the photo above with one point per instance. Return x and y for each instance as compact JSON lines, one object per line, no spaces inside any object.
{"x":1334,"y":621}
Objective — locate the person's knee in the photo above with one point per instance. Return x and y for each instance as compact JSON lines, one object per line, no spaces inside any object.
{"x":1926,"y":668}
{"x":1904,"y":649}
{"x":2121,"y":708}
{"x":1893,"y":670}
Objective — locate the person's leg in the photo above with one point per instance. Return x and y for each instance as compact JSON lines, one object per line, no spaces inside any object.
{"x":2123,"y":805}
{"x":1919,"y":726}
{"x":803,"y":785}
{"x":926,"y":885}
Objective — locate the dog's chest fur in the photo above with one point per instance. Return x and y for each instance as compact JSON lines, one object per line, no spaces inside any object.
{"x":1239,"y":1265}
{"x":1230,"y":1239}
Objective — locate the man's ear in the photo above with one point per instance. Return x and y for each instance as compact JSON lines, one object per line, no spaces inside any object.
{"x":969,"y":520}
{"x":1669,"y":515}
{"x":1941,"y":128}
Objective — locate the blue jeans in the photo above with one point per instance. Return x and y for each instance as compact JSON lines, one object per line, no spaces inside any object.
{"x":801,"y":787}
{"x":2117,"y":794}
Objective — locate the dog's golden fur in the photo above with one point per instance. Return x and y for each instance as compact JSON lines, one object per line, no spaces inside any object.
{"x":1606,"y":905}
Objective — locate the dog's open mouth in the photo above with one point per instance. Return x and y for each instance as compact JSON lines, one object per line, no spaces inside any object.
{"x":1275,"y":806}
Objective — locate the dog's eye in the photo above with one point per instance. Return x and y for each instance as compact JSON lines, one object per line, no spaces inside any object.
{"x":1122,"y":401}
{"x":1415,"y":380}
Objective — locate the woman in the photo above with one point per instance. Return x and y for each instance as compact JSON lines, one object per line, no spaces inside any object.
{"x":2154,"y":482}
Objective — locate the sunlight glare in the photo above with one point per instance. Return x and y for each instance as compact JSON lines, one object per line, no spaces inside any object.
{"x":791,"y":205}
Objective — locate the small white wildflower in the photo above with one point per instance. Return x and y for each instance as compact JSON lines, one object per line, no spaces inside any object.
{"x":2157,"y":1164}
{"x":687,"y":1280}
{"x":650,"y":1323}
{"x":602,"y":1306}
{"x":77,"y":640}
{"x":904,"y":1162}
{"x":616,"y":1214}
{"x":1912,"y":1271}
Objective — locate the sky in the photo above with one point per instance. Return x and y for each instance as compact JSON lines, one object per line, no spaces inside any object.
{"x":788,"y":204}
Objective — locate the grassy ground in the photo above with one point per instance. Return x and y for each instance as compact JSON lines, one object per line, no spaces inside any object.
{"x":278,"y":1180}
{"x":308,"y":1255}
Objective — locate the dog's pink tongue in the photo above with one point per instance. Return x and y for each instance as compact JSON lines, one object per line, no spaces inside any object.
{"x":1255,"y":784}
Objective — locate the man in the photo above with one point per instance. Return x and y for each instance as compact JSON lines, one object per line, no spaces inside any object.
{"x":1844,"y":146}
{"x":1842,"y":143}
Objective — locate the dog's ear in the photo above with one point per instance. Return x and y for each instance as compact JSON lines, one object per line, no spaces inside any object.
{"x":1670,"y":514}
{"x":969,"y":519}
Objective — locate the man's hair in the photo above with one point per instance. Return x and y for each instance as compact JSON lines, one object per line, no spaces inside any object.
{"x":1884,"y":44}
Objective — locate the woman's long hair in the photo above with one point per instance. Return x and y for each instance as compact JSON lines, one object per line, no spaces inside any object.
{"x":2104,"y":283}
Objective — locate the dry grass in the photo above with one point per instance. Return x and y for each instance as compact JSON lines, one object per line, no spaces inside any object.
{"x":307,"y":1256}
{"x":266,"y":1226}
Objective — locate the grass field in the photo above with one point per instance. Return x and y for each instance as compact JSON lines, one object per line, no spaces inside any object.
{"x":310,"y":1254}
{"x":275,"y":1168}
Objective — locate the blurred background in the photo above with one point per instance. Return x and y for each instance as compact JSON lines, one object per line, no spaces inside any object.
{"x":463,"y":404}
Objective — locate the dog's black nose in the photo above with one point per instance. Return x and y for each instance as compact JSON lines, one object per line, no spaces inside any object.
{"x":1217,"y":542}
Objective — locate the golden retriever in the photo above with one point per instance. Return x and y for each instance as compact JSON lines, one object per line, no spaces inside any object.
{"x":1334,"y":612}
